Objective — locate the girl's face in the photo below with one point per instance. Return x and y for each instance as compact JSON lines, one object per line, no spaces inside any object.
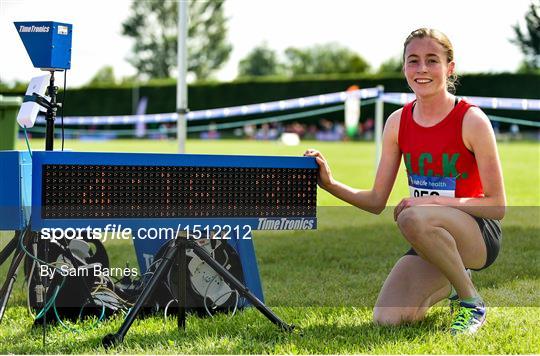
{"x":425,"y":66}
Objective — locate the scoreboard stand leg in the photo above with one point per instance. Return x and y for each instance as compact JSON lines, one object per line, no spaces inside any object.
{"x":231,"y":279}
{"x":11,"y":277}
{"x":168,"y":258}
{"x":182,"y":244}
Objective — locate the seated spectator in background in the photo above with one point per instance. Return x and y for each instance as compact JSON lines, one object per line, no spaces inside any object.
{"x":329,"y":131}
{"x":367,"y":128}
{"x":496,"y":127}
{"x":266,"y":132}
{"x":310,"y":132}
{"x":212,"y":133}
{"x":296,"y":128}
{"x":249,"y":131}
{"x":514,"y":131}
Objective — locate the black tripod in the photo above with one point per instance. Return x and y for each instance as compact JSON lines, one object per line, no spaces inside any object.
{"x":14,"y":247}
{"x":179,"y":247}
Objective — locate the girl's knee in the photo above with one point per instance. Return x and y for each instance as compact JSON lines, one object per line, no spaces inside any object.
{"x":394,"y":316}
{"x":412,"y":224}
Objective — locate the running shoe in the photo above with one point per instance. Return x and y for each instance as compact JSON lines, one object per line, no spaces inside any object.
{"x":469,"y":318}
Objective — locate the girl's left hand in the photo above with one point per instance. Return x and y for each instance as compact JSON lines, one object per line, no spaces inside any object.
{"x":408,"y":202}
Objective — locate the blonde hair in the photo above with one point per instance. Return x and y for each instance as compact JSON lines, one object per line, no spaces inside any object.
{"x":443,"y":40}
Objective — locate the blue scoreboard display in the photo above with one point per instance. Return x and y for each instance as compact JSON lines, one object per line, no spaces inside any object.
{"x":201,"y":196}
{"x":74,"y":189}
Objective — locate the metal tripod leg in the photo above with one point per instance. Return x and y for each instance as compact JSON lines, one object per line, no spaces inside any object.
{"x":10,"y":247}
{"x":11,"y":276}
{"x":239,"y":286}
{"x":180,"y":247}
{"x":113,"y":339}
{"x":182,"y":281}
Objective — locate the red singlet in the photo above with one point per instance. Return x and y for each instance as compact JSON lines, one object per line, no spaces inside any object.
{"x":437,"y":161}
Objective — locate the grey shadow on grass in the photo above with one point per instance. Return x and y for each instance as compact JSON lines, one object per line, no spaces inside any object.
{"x":264,"y":337}
{"x":84,"y":342}
{"x":368,"y":336}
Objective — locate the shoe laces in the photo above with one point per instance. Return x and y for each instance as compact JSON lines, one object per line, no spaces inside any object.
{"x":462,"y":318}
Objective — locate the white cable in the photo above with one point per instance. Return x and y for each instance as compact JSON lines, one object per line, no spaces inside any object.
{"x":167,"y":307}
{"x":227,"y":260}
{"x":95,"y":291}
{"x":205,"y":296}
{"x":226,"y":293}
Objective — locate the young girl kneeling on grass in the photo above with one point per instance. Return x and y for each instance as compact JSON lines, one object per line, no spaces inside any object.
{"x":451,"y":219}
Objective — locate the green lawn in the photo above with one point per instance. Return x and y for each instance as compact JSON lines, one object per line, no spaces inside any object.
{"x":326,"y":281}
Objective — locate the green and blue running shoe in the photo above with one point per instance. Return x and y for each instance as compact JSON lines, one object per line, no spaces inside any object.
{"x":469,"y":318}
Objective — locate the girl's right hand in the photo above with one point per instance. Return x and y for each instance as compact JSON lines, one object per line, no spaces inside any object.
{"x":325,"y":179}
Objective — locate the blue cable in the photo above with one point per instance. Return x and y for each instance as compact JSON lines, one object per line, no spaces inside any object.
{"x":27,"y":143}
{"x":52,"y":301}
{"x":100,"y":319}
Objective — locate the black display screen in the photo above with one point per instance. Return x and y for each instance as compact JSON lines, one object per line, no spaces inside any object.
{"x":118,"y":191}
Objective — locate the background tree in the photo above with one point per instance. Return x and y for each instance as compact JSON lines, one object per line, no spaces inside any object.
{"x":15,"y":86}
{"x":528,"y":40}
{"x":105,"y":75}
{"x":261,"y":61}
{"x":391,"y":65}
{"x":324,"y":59}
{"x":154,"y":26}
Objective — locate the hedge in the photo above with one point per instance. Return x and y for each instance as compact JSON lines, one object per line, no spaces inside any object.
{"x":162,"y":94}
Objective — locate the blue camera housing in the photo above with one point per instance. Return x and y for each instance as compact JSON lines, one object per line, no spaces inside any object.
{"x":47,"y":43}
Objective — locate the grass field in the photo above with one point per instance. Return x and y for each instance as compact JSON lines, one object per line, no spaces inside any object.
{"x":326,"y":281}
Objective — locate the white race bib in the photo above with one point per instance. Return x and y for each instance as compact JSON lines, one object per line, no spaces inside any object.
{"x":420,"y":186}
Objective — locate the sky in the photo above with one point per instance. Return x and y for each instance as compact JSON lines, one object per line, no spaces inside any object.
{"x":479,"y":30}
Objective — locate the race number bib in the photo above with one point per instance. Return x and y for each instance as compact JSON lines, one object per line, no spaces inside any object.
{"x":420,"y":186}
